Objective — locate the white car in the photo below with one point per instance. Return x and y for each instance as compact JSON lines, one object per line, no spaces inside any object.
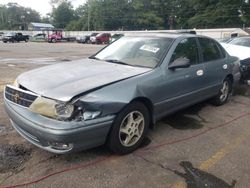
{"x":240,"y":47}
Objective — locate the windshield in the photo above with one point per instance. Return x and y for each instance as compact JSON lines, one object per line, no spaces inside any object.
{"x":241,"y":41}
{"x":136,"y":51}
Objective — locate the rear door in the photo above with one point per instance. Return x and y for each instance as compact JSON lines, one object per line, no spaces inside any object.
{"x":215,"y":62}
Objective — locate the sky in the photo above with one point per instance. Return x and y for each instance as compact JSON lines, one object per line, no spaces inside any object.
{"x":41,"y":6}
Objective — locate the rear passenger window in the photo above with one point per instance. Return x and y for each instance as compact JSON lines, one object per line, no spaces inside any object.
{"x":223,"y":52}
{"x":188,"y":49}
{"x":210,"y":50}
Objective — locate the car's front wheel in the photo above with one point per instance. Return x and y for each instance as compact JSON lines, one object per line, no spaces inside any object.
{"x":223,"y":94}
{"x":129,"y":128}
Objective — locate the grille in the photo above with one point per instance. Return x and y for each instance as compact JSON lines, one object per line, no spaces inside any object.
{"x":19,"y":97}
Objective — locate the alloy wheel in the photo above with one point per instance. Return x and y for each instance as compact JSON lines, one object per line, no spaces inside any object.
{"x":131,"y":128}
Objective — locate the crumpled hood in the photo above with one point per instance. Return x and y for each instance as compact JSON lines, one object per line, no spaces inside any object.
{"x":63,"y":81}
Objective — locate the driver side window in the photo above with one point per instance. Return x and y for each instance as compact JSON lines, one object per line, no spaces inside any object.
{"x":187,"y":49}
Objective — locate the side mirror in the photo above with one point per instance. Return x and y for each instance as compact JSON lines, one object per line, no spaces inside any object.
{"x":181,"y":62}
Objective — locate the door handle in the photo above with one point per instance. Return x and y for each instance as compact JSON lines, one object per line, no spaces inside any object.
{"x":200,"y":72}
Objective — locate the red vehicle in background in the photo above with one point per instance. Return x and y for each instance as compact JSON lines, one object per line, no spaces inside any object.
{"x":102,"y":38}
{"x":57,"y":36}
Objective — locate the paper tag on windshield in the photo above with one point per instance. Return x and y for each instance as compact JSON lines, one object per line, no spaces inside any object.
{"x":149,"y":48}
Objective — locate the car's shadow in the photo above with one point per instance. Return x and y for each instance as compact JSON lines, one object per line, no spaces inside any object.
{"x":188,"y":118}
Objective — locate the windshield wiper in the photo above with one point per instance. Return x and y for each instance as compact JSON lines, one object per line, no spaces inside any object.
{"x":116,"y":61}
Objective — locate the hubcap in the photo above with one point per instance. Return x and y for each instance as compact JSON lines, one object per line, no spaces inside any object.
{"x":224,"y":91}
{"x":131,"y":128}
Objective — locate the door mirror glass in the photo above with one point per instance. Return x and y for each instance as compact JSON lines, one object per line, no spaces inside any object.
{"x":181,"y":62}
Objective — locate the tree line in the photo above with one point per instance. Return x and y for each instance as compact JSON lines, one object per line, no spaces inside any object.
{"x":134,"y":14}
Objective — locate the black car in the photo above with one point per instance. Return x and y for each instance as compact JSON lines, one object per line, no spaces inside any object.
{"x":1,"y":35}
{"x":85,"y":39}
{"x":15,"y":37}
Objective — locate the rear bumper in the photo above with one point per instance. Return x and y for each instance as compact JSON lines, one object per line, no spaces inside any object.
{"x":46,"y":133}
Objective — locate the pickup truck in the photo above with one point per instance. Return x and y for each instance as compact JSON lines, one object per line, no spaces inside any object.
{"x":57,"y":36}
{"x":15,"y":37}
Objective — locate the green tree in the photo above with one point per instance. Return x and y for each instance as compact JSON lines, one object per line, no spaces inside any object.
{"x":63,"y":14}
{"x":14,"y":16}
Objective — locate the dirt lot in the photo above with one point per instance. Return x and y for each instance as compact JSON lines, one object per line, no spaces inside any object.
{"x":200,"y":144}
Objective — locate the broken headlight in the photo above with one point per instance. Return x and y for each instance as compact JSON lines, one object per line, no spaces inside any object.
{"x":88,"y":115}
{"x":51,"y":108}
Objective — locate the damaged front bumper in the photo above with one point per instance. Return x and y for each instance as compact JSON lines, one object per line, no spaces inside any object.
{"x":58,"y":136}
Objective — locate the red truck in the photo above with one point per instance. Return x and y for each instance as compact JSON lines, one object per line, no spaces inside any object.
{"x":57,"y":36}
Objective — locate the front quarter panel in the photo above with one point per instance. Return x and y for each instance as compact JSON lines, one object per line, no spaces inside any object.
{"x":111,"y":99}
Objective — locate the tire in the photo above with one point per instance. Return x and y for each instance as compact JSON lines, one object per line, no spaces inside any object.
{"x":222,"y":97}
{"x":53,"y":40}
{"x":126,"y":137}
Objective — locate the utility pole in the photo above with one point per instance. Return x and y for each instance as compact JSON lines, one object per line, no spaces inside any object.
{"x":88,"y":2}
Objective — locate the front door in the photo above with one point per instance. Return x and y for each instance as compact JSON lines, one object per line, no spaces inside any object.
{"x":182,"y":86}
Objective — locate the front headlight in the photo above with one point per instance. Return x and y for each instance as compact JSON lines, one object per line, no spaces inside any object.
{"x":51,"y":108}
{"x":16,"y":84}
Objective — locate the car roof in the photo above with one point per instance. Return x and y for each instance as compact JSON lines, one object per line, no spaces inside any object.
{"x":246,"y":36}
{"x":172,"y":35}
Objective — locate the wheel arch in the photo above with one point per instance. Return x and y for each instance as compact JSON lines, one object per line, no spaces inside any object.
{"x":149,"y":105}
{"x":231,"y":78}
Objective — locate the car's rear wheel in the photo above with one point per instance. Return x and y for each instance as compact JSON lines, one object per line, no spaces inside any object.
{"x":129,"y":128}
{"x":223,"y":94}
{"x":53,"y":40}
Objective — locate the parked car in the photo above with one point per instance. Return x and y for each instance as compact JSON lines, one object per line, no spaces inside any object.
{"x":1,"y":35}
{"x":103,"y":38}
{"x":116,"y":95}
{"x":115,"y":37}
{"x":57,"y":36}
{"x":93,"y":37}
{"x":83,"y":39}
{"x":15,"y":37}
{"x":40,"y":37}
{"x":86,"y":39}
{"x":240,"y":47}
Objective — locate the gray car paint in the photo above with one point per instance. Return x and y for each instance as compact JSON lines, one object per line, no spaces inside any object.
{"x":64,"y":81}
{"x":167,"y":91}
{"x":110,"y":87}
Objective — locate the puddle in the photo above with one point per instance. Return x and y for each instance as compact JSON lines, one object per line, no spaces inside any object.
{"x":183,"y":122}
{"x":243,"y":90}
{"x":196,"y":178}
{"x":12,"y":157}
{"x":188,"y":118}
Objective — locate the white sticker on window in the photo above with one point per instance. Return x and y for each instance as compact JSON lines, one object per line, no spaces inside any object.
{"x":149,"y":48}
